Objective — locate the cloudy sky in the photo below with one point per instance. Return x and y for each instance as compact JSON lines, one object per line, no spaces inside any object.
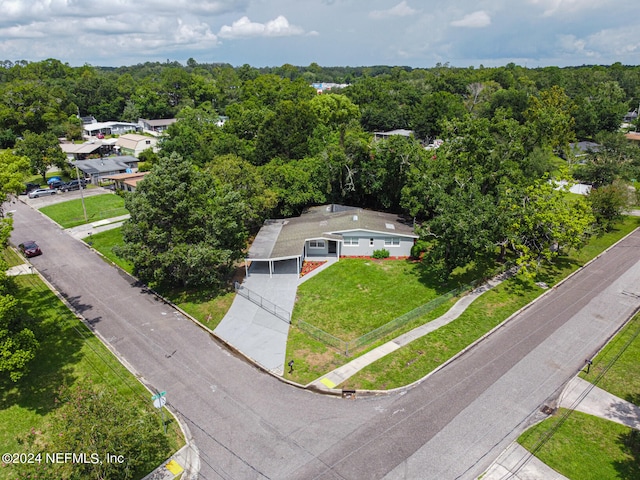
{"x":418,"y":33}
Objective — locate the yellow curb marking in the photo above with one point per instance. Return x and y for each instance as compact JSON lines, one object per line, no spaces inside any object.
{"x":325,"y":381}
{"x":174,"y":467}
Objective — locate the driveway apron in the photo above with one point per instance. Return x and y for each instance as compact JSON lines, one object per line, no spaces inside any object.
{"x":254,"y":330}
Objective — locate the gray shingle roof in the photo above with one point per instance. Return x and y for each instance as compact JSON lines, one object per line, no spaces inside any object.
{"x":285,"y":238}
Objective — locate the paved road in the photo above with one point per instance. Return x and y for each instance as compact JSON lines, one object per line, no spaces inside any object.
{"x":249,"y":425}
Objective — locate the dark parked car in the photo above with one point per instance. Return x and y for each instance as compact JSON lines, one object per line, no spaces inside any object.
{"x":73,"y":185}
{"x":30,"y":249}
{"x":28,"y":187}
{"x":41,"y":192}
{"x":55,"y":184}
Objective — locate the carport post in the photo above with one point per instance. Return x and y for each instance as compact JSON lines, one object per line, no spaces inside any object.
{"x":270,"y":268}
{"x":246,"y":268}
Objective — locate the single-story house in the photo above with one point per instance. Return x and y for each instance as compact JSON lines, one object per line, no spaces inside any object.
{"x":109,"y":128}
{"x":399,"y":132}
{"x":157,"y":126}
{"x":134,"y":144}
{"x":126,"y":181}
{"x":75,"y":151}
{"x":97,"y":168}
{"x":331,"y":231}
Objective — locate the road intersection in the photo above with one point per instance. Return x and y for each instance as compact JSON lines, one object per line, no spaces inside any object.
{"x":247,"y":424}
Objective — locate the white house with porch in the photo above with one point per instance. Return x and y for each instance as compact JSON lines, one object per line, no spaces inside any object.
{"x":331,"y":231}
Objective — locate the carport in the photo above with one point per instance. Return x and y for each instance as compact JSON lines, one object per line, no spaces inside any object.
{"x":268,"y":247}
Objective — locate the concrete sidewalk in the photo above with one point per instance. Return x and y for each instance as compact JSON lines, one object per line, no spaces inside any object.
{"x":88,"y":229}
{"x":340,"y":374}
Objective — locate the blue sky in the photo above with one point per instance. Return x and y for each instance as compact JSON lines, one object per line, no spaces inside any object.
{"x":417,"y":33}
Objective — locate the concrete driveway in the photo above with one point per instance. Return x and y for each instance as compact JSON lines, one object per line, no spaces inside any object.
{"x":254,"y":330}
{"x":247,"y":424}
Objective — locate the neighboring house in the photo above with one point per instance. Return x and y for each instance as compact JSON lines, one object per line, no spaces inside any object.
{"x":324,"y":87}
{"x":96,"y":169}
{"x":134,"y":144}
{"x":630,"y":117}
{"x":88,"y":119}
{"x":126,"y":181}
{"x":400,"y":132}
{"x":156,"y":126}
{"x":577,"y":188}
{"x":75,"y":151}
{"x":109,"y":128}
{"x":582,"y":149}
{"x":331,"y":231}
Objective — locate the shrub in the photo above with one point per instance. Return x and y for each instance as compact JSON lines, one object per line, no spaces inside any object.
{"x":382,"y":253}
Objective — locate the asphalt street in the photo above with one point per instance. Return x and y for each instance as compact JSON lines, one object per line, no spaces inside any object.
{"x":247,"y":424}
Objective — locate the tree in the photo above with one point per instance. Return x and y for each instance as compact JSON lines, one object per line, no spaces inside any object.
{"x":608,"y":203}
{"x":185,"y":229}
{"x":96,"y":422}
{"x":18,"y":343}
{"x":550,"y":116}
{"x":42,"y":150}
{"x":335,"y":112}
{"x":541,"y":221}
{"x":428,"y":117}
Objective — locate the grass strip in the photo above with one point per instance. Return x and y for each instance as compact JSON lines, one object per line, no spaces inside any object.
{"x":584,"y":447}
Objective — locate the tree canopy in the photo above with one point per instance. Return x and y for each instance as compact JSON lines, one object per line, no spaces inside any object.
{"x":185,"y":229}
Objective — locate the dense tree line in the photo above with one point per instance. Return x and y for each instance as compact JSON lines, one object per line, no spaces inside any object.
{"x":284,"y":147}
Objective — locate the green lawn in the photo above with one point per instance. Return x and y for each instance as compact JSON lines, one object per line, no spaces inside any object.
{"x":617,"y":367}
{"x":104,"y":243}
{"x":68,"y":354}
{"x":355,"y":296}
{"x":70,"y":214}
{"x":422,"y":356}
{"x":11,"y":257}
{"x":584,"y":447}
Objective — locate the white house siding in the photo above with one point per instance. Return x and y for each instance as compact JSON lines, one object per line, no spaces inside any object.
{"x":367,"y":242}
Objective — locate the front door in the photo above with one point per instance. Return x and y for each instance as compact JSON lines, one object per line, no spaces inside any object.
{"x":332,"y":246}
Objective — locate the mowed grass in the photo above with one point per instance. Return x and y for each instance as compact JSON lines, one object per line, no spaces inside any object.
{"x":617,"y":367}
{"x":422,"y":356}
{"x":10,"y":257}
{"x":99,"y":207}
{"x":104,"y":242}
{"x":68,"y":354}
{"x":355,"y":296}
{"x":206,"y":305}
{"x":584,"y":447}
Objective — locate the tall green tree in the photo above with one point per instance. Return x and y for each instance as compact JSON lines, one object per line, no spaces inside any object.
{"x":43,"y":151}
{"x":185,"y":229}
{"x":98,"y":422}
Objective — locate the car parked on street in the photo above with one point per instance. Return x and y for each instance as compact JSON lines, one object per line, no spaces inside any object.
{"x":73,"y":185}
{"x":42,"y":192}
{"x":30,"y":249}
{"x":55,"y":184}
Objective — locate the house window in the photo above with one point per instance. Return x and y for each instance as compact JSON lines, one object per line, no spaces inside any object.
{"x":392,"y":242}
{"x":351,"y":241}
{"x":316,"y":243}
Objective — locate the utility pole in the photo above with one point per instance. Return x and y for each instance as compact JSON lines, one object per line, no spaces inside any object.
{"x":80,"y":184}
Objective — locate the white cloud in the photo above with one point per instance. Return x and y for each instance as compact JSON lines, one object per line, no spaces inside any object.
{"x":477,"y":19}
{"x":400,"y":10}
{"x":245,"y":28}
{"x":552,"y":7}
